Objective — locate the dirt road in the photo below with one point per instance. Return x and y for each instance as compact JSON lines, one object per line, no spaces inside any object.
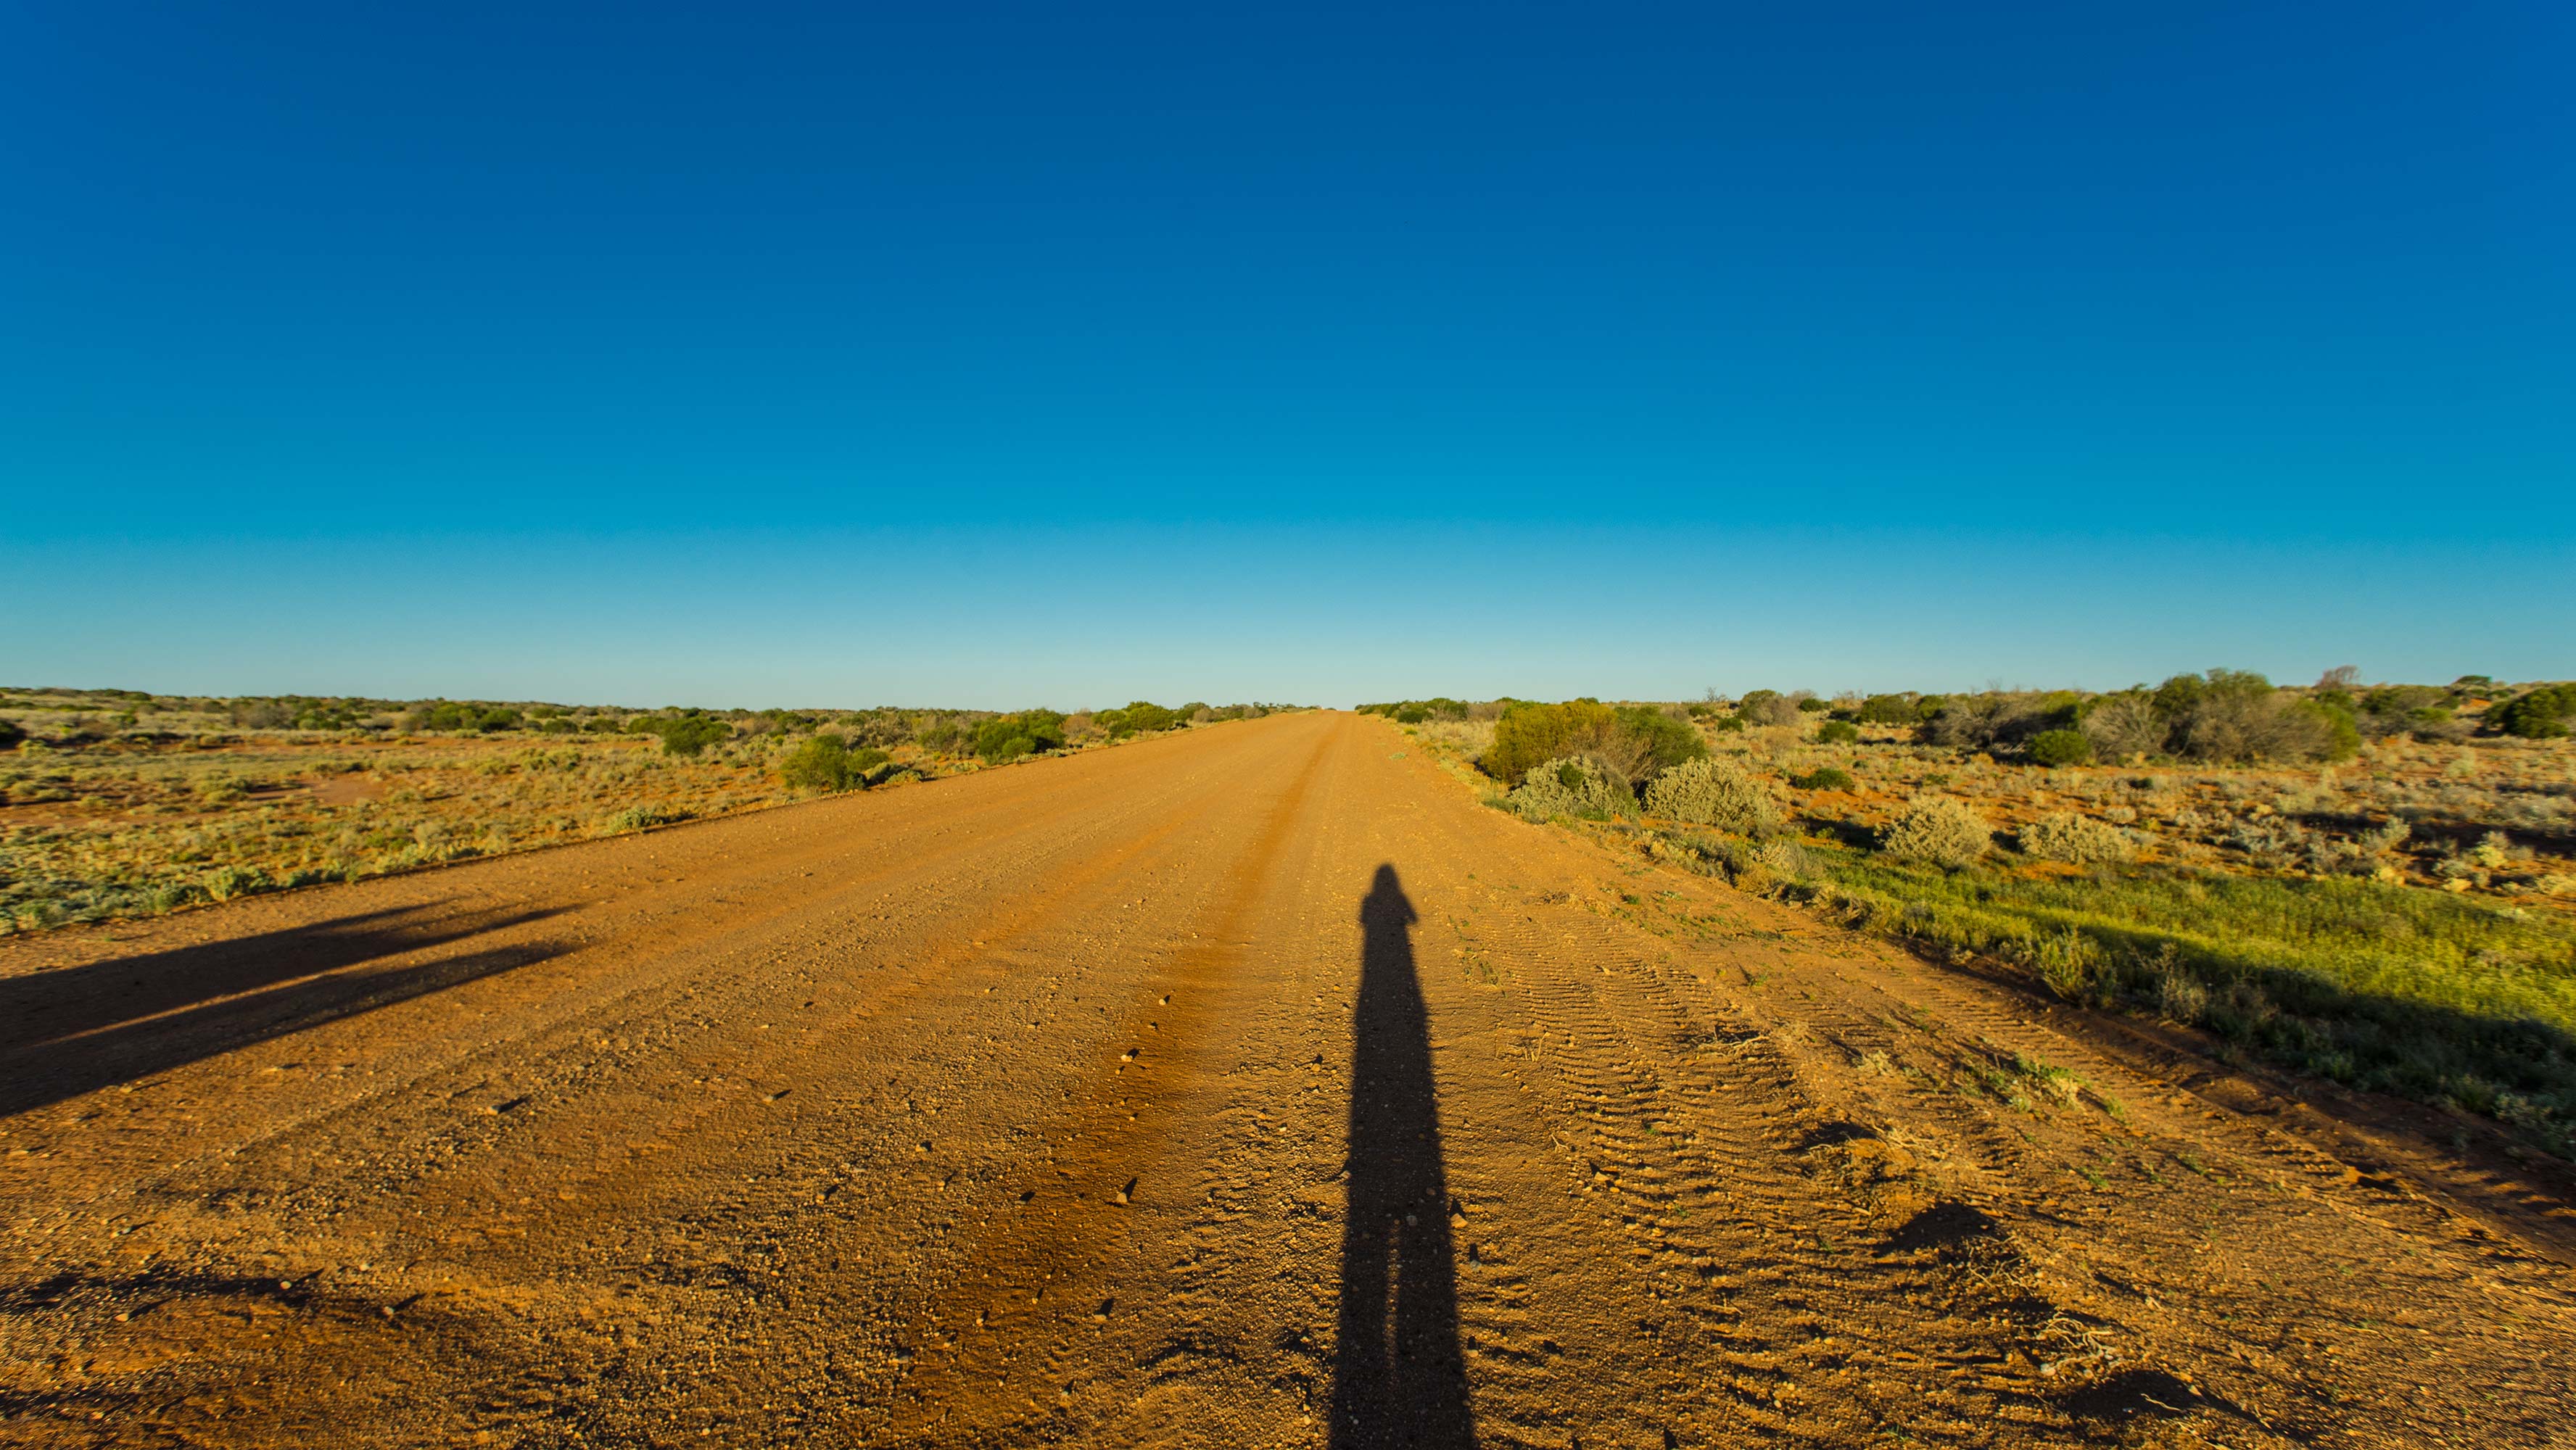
{"x":1252,"y":1085}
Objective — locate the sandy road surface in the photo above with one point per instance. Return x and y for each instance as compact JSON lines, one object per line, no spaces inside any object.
{"x":1247,"y":1086}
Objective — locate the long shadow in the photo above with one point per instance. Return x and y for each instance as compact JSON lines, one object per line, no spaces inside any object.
{"x":64,"y":1033}
{"x":1399,"y":1378}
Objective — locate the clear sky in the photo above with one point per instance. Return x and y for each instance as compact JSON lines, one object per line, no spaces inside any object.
{"x":986,"y":355}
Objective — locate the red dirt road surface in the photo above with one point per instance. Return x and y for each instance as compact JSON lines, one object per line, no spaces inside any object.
{"x":1248,"y":1086}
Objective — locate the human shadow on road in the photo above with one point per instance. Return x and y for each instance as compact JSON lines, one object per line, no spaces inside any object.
{"x":75,"y":1030}
{"x":1399,"y":1378}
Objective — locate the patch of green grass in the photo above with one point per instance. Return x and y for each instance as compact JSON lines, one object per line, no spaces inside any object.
{"x":2381,"y":986}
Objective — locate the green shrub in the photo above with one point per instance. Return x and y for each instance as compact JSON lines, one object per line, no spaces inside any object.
{"x":1529,"y":735}
{"x":2060,"y":747}
{"x":1638,"y":742}
{"x":1713,"y":793}
{"x":2066,"y":836}
{"x":1728,"y":725}
{"x":1824,"y":777}
{"x":1890,"y":710}
{"x":1572,"y":786}
{"x":1411,"y":715}
{"x":1812,"y":706}
{"x":689,"y":734}
{"x":1838,"y":732}
{"x":1939,"y":830}
{"x":1028,"y":732}
{"x":2540,"y":714}
{"x":1145,"y":717}
{"x":821,"y":763}
{"x":2236,"y":715}
{"x":1652,"y":742}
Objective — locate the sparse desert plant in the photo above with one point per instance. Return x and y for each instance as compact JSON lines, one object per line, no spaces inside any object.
{"x":1937,"y":830}
{"x":1837,"y":732}
{"x":1573,"y":785}
{"x":2066,"y":836}
{"x":2123,"y":727}
{"x":1824,"y":777}
{"x":1713,"y":793}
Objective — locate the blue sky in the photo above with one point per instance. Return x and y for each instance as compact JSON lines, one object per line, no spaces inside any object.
{"x":843,"y":355}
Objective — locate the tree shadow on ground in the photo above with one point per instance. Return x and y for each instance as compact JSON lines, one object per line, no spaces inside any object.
{"x":1399,"y":1378}
{"x":68,"y":1032}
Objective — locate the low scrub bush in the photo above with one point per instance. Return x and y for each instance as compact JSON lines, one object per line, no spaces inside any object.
{"x":1767,"y":707}
{"x":1027,"y":732}
{"x":1838,"y":732}
{"x":2540,"y":714}
{"x":686,"y":735}
{"x":1937,"y":830}
{"x":1890,"y":710}
{"x":1571,"y":786}
{"x":2060,"y":747}
{"x":1713,"y":793}
{"x":822,"y":763}
{"x":1824,"y":777}
{"x":2066,"y":836}
{"x":1637,"y":743}
{"x":2236,"y":715}
{"x":2123,"y":727}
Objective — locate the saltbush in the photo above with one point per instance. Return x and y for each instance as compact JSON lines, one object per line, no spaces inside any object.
{"x":2066,"y":836}
{"x":2060,"y":747}
{"x":1939,"y":830}
{"x":1572,"y":786}
{"x":1713,"y":793}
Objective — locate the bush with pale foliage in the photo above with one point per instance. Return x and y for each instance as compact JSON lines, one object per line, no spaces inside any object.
{"x":1572,"y":786}
{"x":1938,"y":830}
{"x":1716,"y":793}
{"x":2066,"y":836}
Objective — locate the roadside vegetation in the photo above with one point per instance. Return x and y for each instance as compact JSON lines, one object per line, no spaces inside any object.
{"x":120,"y":803}
{"x":2371,"y":884}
